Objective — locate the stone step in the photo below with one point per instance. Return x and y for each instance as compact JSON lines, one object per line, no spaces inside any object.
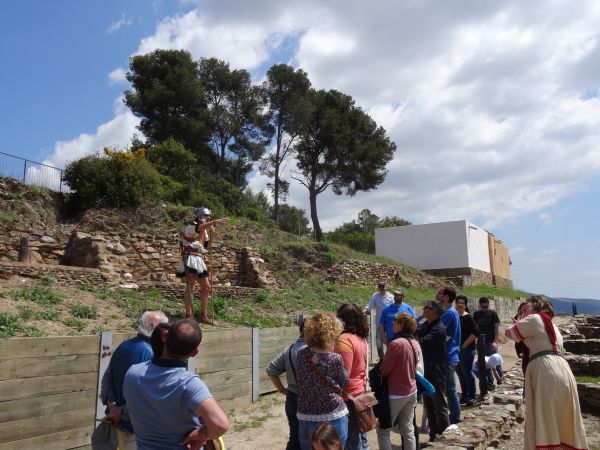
{"x":583,"y":346}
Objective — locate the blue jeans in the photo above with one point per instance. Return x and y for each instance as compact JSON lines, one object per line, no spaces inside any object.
{"x":379,"y":342}
{"x":451,"y":394}
{"x":465,"y":373}
{"x":291,"y":410}
{"x":306,"y":430}
{"x":356,"y":440}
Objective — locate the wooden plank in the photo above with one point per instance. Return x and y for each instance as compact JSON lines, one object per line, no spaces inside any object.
{"x":226,"y":349}
{"x":32,"y":387}
{"x":47,"y":404}
{"x":217,"y":363}
{"x":231,"y":404}
{"x":266,"y":358}
{"x":231,"y":335}
{"x":226,"y":377}
{"x":275,"y":346}
{"x":49,"y":346}
{"x":104,"y":355}
{"x":47,"y":366}
{"x":232,"y":390}
{"x":267,"y":387}
{"x":269,"y":334}
{"x":38,"y":426}
{"x":55,"y":441}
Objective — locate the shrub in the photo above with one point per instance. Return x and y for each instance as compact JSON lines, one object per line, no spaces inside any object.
{"x":120,"y":179}
{"x":75,"y":323}
{"x":9,"y":325}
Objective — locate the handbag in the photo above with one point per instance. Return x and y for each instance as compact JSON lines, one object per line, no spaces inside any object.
{"x":362,"y":405}
{"x":214,"y":444}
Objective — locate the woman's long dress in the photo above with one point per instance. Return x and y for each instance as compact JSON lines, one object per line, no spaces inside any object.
{"x":553,"y":417}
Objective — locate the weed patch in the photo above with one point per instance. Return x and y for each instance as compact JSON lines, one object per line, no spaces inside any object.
{"x":75,"y":323}
{"x":84,"y":312}
{"x":9,"y":325}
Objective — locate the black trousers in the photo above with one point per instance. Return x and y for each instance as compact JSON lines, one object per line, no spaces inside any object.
{"x":437,"y":411}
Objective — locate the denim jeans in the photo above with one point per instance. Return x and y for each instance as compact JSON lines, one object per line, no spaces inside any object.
{"x":379,"y":342}
{"x":306,"y":430}
{"x":451,"y":394}
{"x":356,"y":440}
{"x":465,"y":373}
{"x":291,"y":410}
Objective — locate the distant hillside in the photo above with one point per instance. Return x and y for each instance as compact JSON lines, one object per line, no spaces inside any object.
{"x":584,"y":305}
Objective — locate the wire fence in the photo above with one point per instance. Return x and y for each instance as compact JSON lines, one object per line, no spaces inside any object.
{"x":31,"y":172}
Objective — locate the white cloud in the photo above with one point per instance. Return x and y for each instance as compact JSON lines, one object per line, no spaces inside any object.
{"x":116,"y":133}
{"x":117,"y":76}
{"x":120,"y":23}
{"x":492,"y":105}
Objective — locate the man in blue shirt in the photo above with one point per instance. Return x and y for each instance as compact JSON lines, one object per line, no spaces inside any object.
{"x":379,"y":301}
{"x":451,"y":321}
{"x":386,"y":322}
{"x":129,"y":352}
{"x":169,"y":406}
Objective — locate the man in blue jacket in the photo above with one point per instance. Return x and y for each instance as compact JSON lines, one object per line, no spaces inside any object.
{"x":451,"y":321}
{"x":132,"y":351}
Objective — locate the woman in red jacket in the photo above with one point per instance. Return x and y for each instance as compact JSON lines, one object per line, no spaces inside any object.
{"x":399,"y":367}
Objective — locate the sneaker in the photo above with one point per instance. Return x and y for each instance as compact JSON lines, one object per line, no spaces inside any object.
{"x":470,"y":402}
{"x":424,"y":430}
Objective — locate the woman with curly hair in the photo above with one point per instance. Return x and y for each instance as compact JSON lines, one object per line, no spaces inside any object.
{"x":553,"y":413}
{"x":352,"y":347}
{"x":321,"y":376}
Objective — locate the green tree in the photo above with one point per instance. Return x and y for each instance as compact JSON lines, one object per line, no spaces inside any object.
{"x":393,"y":221}
{"x":367,"y":221}
{"x":239,"y":127}
{"x":172,"y":159}
{"x":168,"y":97}
{"x":293,"y":220}
{"x":342,"y":148}
{"x":289,"y":105}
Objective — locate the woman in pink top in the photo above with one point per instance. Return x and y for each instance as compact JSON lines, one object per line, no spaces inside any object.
{"x":352,"y":347}
{"x":399,"y":367}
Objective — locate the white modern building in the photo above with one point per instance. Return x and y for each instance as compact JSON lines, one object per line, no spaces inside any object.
{"x":459,"y":250}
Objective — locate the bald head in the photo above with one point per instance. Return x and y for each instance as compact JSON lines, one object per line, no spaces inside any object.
{"x":184,"y":338}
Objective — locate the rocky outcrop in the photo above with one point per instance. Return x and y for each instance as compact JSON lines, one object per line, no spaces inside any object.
{"x":485,"y":426}
{"x":589,"y":397}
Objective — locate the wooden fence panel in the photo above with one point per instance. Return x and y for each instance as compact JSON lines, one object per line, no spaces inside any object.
{"x":54,"y":441}
{"x":11,"y":369}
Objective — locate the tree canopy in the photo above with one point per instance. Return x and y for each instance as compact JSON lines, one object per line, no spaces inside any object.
{"x":343,"y":148}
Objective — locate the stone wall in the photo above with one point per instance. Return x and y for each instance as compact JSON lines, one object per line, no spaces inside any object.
{"x":582,"y":340}
{"x":485,"y":426}
{"x":505,"y":307}
{"x":589,"y":397}
{"x":62,"y":274}
{"x":464,"y":276}
{"x":174,"y":291}
{"x":368,"y":274}
{"x":145,"y":257}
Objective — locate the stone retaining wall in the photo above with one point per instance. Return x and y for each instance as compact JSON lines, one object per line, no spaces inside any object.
{"x":589,"y":397}
{"x":485,"y":426}
{"x":62,"y":274}
{"x":174,"y":291}
{"x":368,"y":274}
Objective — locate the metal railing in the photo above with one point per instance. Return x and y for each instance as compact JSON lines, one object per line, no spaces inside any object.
{"x":31,"y":172}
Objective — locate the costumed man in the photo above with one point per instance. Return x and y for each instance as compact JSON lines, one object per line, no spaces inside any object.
{"x":196,"y":241}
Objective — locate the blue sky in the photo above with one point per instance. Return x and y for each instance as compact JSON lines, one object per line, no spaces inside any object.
{"x":493,"y":105}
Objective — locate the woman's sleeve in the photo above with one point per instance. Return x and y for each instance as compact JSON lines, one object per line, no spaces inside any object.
{"x":524,"y":328}
{"x":343,"y":347}
{"x":339,"y":372}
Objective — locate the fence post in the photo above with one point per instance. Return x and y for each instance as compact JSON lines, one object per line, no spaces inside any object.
{"x":483,"y":386}
{"x":192,"y":363}
{"x":104,"y":358}
{"x":255,"y":364}
{"x":24,"y":170}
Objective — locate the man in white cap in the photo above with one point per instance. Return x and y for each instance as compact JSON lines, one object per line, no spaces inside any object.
{"x":379,"y":301}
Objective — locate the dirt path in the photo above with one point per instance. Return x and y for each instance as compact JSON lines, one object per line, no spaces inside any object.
{"x":264,"y":424}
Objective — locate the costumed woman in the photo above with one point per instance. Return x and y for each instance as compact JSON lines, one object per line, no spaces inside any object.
{"x":553,"y":415}
{"x":192,"y":266}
